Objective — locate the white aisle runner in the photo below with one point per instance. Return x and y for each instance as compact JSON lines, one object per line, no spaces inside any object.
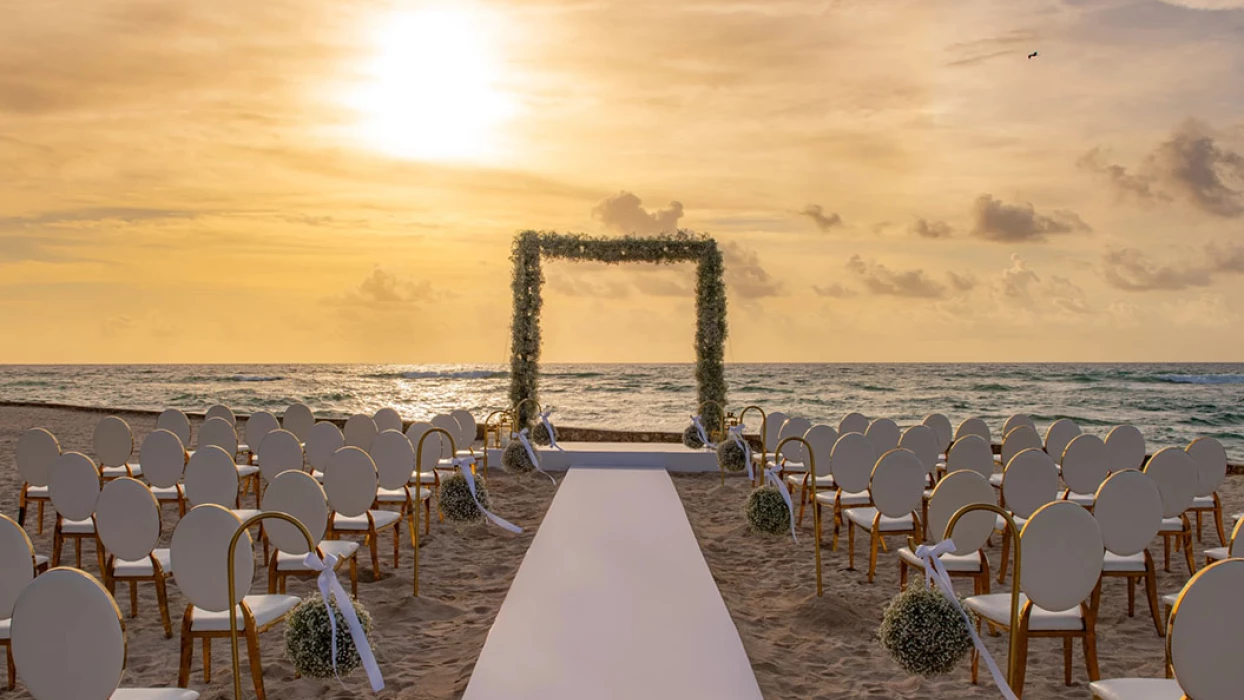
{"x":614,"y":601}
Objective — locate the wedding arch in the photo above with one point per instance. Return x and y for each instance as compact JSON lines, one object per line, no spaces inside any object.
{"x":683,"y":246}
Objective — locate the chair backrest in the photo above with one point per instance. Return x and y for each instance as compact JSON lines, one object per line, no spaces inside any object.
{"x":279,"y":452}
{"x":435,"y":447}
{"x":1125,"y":448}
{"x":299,"y":495}
{"x":1029,"y":482}
{"x":1204,"y":630}
{"x":1063,"y":555}
{"x":853,"y":422}
{"x":884,"y":434}
{"x":350,"y":481}
{"x":822,"y":439}
{"x":416,"y":431}
{"x":323,"y":440}
{"x":200,"y":550}
{"x":449,"y":424}
{"x":219,"y":432}
{"x":1085,"y":464}
{"x":467,"y":437}
{"x":360,"y":430}
{"x":852,"y":461}
{"x":387,"y":419}
{"x":17,"y":564}
{"x":959,"y":489}
{"x":114,"y":443}
{"x":176,"y":422}
{"x":794,"y":427}
{"x":1235,"y":533}
{"x":127,"y":519}
{"x":212,"y":478}
{"x":1015,"y":421}
{"x":1058,"y":435}
{"x":922,"y":441}
{"x":258,"y":426}
{"x":163,"y":456}
{"x":973,"y":426}
{"x":941,"y":427}
{"x":298,"y":420}
{"x":394,"y":457}
{"x":37,"y":451}
{"x":74,"y":486}
{"x":897,"y":483}
{"x":1019,"y":438}
{"x":220,"y":411}
{"x":1174,"y":471}
{"x":970,"y":452}
{"x":772,"y":428}
{"x":66,"y":621}
{"x":1128,"y":509}
{"x":1211,"y":464}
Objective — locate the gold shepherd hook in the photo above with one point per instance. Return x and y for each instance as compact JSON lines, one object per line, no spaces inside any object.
{"x":504,"y":414}
{"x":414,"y":531}
{"x":233,"y":604}
{"x":763,"y":431}
{"x":816,"y":511}
{"x":517,"y":414}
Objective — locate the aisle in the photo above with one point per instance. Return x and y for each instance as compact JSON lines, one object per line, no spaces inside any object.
{"x":614,"y":601}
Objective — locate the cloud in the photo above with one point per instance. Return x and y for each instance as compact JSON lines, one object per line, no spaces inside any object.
{"x":834,"y":290}
{"x":882,"y":281}
{"x":1015,"y":43}
{"x":745,"y":276}
{"x":1129,"y":269}
{"x":1207,"y":4}
{"x":823,"y":221}
{"x":961,"y":283}
{"x":116,"y":326}
{"x":1022,"y":286}
{"x":382,"y":290}
{"x":994,"y":220}
{"x":624,"y":213}
{"x":1124,"y":183}
{"x":1017,"y":280}
{"x":931,"y":229}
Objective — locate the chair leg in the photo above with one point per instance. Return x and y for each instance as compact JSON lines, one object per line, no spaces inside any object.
{"x":1131,"y":596}
{"x":1188,"y":555}
{"x":375,"y":553}
{"x":207,"y":659}
{"x":354,"y":575}
{"x":803,"y":502}
{"x":40,"y":530}
{"x":133,"y":599}
{"x":99,"y":556}
{"x":1090,"y":654}
{"x":902,"y":575}
{"x":1222,"y":533}
{"x":873,"y":537}
{"x":1151,"y":592}
{"x":21,"y":506}
{"x":252,"y":653}
{"x":850,"y":546}
{"x":397,"y":540}
{"x":1006,"y":554}
{"x":187,"y":652}
{"x":976,"y":658}
{"x":1166,"y":554}
{"x":77,"y":552}
{"x":1067,"y":660}
{"x":1021,"y":663}
{"x":162,"y":600}
{"x":1200,"y":530}
{"x":8,"y":655}
{"x":984,"y":574}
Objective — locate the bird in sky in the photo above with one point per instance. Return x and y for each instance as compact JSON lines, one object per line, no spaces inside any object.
{"x":1032,"y":55}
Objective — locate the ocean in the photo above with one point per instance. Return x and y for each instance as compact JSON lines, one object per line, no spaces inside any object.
{"x":1170,"y":403}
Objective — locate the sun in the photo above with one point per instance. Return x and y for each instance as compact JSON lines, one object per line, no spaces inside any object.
{"x":430,"y":86}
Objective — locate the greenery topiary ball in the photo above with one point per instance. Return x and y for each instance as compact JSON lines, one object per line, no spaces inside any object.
{"x":309,"y":638}
{"x":456,"y":502}
{"x":516,"y":460}
{"x":691,"y":437}
{"x":732,"y":457}
{"x":540,"y":434}
{"x":767,"y":512}
{"x":924,"y":632}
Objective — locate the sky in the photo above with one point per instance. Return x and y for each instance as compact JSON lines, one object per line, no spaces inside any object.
{"x":889,"y":180}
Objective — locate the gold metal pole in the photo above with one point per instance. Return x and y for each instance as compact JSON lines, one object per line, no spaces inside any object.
{"x":453,"y":451}
{"x":517,"y":415}
{"x":763,"y":431}
{"x":816,"y":517}
{"x":233,"y":604}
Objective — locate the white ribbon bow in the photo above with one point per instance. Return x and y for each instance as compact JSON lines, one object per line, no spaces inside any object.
{"x":736,"y":434}
{"x":771,"y":476}
{"x":463,"y":465}
{"x":934,"y":570}
{"x":699,"y":428}
{"x":330,"y":587}
{"x":531,"y":452}
{"x":544,"y":418}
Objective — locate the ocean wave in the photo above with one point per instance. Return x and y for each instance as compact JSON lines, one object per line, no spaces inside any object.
{"x":466,"y":374}
{"x":1201,"y":378}
{"x":990,"y":387}
{"x":567,"y":375}
{"x":250,"y":378}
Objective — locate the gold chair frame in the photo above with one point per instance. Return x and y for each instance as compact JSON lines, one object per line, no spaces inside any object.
{"x":276,"y":577}
{"x":980,"y":579}
{"x":24,"y":499}
{"x":816,"y":515}
{"x":158,"y":576}
{"x":764,"y":453}
{"x":58,"y":543}
{"x":1183,"y":539}
{"x":1216,"y":509}
{"x":1150,"y":576}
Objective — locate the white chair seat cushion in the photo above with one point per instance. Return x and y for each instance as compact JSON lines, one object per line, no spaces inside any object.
{"x":78,"y":527}
{"x":243,"y":447}
{"x":1172,"y":525}
{"x":970,"y":562}
{"x":1115,"y":562}
{"x":4,"y":628}
{"x":246,"y":513}
{"x":265,"y":608}
{"x":317,"y":475}
{"x":166,"y":493}
{"x":1216,"y":554}
{"x":40,"y":560}
{"x":794,"y":467}
{"x":926,"y":494}
{"x":1082,"y":499}
{"x":400,"y":495}
{"x":997,"y":607}
{"x":995,"y":480}
{"x":423,"y":478}
{"x":861,"y":498}
{"x":999,"y":523}
{"x":382,"y":518}
{"x":1137,"y":689}
{"x":142,"y":567}
{"x":863,"y":517}
{"x":37,"y":492}
{"x":245,"y":470}
{"x":153,"y":694}
{"x":1203,"y":502}
{"x":1169,"y":599}
{"x":114,"y":472}
{"x":342,"y":549}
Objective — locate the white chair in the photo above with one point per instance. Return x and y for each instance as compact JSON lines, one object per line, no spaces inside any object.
{"x":164,"y":458}
{"x":219,"y":432}
{"x":466,"y":437}
{"x":1019,"y":439}
{"x":1211,"y":469}
{"x":1228,"y":552}
{"x":258,"y":425}
{"x":1204,"y":632}
{"x":1175,"y":473}
{"x":114,"y":445}
{"x":296,"y":493}
{"x":1029,"y":482}
{"x":128,"y":519}
{"x":1016,"y":420}
{"x":792,"y":460}
{"x":298,"y":419}
{"x":1063,"y":555}
{"x":323,"y":441}
{"x":1084,"y":469}
{"x":220,"y":411}
{"x":923,"y":442}
{"x":940,"y":425}
{"x":176,"y":422}
{"x":37,"y":451}
{"x":69,"y":643}
{"x":884,"y":434}
{"x":387,"y":419}
{"x":360,"y":430}
{"x":427,"y":474}
{"x":212,"y":479}
{"x":200,"y":550}
{"x":970,"y":452}
{"x":18,"y":567}
{"x":974,"y":426}
{"x":853,"y":423}
{"x":1129,"y":511}
{"x":350,"y":482}
{"x":822,"y":439}
{"x":971,"y":533}
{"x":279,"y":452}
{"x":771,"y":430}
{"x":74,"y":488}
{"x":895,"y":487}
{"x":1060,"y":433}
{"x":395,"y":469}
{"x":851,"y":465}
{"x":1125,"y":448}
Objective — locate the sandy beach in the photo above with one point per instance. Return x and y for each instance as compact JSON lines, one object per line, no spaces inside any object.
{"x":800,"y":646}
